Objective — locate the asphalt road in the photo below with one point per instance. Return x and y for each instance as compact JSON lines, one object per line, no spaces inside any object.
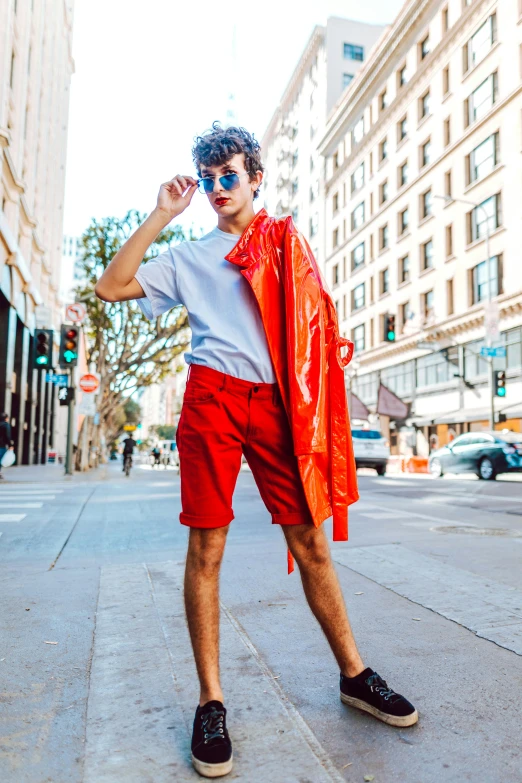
{"x":96,"y":674}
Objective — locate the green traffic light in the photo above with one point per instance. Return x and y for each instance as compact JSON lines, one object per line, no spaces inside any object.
{"x":501,"y":392}
{"x":69,"y":356}
{"x":391,"y":336}
{"x":42,"y":360}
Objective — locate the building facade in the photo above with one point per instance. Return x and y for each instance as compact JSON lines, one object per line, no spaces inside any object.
{"x":35,"y":73}
{"x":423,"y":221}
{"x":294,"y":176}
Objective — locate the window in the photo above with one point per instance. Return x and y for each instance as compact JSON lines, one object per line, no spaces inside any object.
{"x":480,"y":43}
{"x":358,"y":297}
{"x":404,"y":269}
{"x":383,"y":192}
{"x":424,"y":48}
{"x":314,"y":224}
{"x":449,"y":241}
{"x":383,"y":149}
{"x":427,"y":254}
{"x":335,"y":203}
{"x":450,"y":309}
{"x":437,"y":368}
{"x":295,"y":158}
{"x":447,"y":132}
{"x":295,"y":214}
{"x":480,"y":280}
{"x":424,"y":105}
{"x":403,"y":174}
{"x":402,"y":129}
{"x":482,"y":99}
{"x":405,"y":315}
{"x":358,"y":216}
{"x":295,"y":186}
{"x":513,"y":342}
{"x":384,"y":237}
{"x":358,"y":256}
{"x":347,"y":79}
{"x":383,"y":100}
{"x":335,"y":275}
{"x":426,"y":153}
{"x":446,"y":80}
{"x":483,"y":159}
{"x":427,"y":302}
{"x":358,"y":131}
{"x":12,"y":72}
{"x":358,"y":178}
{"x":352,"y":52}
{"x":426,"y":204}
{"x":314,"y":191}
{"x":335,"y":237}
{"x":404,"y":220}
{"x":345,"y":309}
{"x":403,"y":76}
{"x":447,"y":183}
{"x":485,"y":215}
{"x":358,"y":338}
{"x":385,"y":281}
{"x":335,"y":160}
{"x":445,"y":20}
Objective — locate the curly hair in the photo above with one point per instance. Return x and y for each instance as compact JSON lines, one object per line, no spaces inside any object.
{"x":216,"y":146}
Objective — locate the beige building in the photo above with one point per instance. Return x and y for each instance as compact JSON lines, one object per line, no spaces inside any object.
{"x":35,"y":74}
{"x":294,"y":180}
{"x":431,"y":127}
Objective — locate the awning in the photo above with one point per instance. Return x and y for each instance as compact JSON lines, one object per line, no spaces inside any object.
{"x":467,"y":415}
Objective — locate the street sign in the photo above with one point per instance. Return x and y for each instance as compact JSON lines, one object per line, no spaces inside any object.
{"x":89,"y":383}
{"x":129,"y":427}
{"x":499,"y":351}
{"x":58,"y":380}
{"x":87,"y":406}
{"x":65,"y":394}
{"x":76,"y":312}
{"x":425,"y":345}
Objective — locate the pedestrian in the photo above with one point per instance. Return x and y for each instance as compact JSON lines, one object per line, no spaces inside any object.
{"x":5,"y":438}
{"x":266,"y":378}
{"x":156,"y":453}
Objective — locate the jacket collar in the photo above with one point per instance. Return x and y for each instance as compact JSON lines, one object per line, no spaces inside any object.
{"x":253,"y":243}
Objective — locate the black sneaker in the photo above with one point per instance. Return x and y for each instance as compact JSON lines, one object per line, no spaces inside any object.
{"x":369,"y":692}
{"x":211,"y":746}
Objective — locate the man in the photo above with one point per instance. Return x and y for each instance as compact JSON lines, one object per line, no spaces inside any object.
{"x":5,"y":438}
{"x":266,"y":378}
{"x":128,"y":447}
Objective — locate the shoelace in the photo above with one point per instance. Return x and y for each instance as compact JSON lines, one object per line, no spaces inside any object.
{"x":380,"y":686}
{"x":212,"y":724}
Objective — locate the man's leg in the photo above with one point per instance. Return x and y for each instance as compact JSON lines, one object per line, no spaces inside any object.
{"x":310,"y":549}
{"x":204,"y":556}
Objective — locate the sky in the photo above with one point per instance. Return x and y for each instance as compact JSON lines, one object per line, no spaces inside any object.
{"x":149,"y":76}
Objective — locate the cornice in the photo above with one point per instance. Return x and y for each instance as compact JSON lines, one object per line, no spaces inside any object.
{"x":18,"y":183}
{"x":348,"y":113}
{"x":315,"y":40}
{"x":509,"y":305}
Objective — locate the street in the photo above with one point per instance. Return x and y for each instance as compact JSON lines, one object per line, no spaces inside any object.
{"x":97,"y":678}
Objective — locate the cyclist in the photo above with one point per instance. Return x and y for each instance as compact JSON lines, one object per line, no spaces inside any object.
{"x":128,"y":447}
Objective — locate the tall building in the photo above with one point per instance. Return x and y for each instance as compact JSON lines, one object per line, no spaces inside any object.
{"x":423,"y":164}
{"x":35,"y":73}
{"x":294,"y":179}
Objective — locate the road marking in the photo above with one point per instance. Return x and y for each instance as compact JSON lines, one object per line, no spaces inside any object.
{"x":490,"y":609}
{"x":10,"y":495}
{"x":22,"y":505}
{"x":381,"y":514}
{"x":12,"y":517}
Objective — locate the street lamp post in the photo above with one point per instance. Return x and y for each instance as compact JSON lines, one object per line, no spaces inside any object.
{"x":449,"y":200}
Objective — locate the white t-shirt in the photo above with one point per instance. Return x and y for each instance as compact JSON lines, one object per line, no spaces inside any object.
{"x":227,"y":331}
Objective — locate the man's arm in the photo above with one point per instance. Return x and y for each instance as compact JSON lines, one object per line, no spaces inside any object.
{"x":118,"y":283}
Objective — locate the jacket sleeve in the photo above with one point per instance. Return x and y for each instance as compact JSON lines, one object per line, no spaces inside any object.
{"x":305,"y":327}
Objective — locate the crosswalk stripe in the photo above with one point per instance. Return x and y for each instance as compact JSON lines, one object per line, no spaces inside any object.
{"x":12,"y":517}
{"x":26,"y":492}
{"x":22,"y":505}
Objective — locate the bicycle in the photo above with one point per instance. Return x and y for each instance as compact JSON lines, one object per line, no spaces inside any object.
{"x":127,"y":465}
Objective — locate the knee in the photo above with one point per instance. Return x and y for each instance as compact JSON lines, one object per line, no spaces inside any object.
{"x":205,"y":550}
{"x":312,"y":552}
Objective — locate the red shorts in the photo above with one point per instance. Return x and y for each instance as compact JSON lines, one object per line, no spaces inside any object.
{"x":222,"y":418}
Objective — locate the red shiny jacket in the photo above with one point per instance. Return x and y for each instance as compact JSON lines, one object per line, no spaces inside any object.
{"x":301,"y":327}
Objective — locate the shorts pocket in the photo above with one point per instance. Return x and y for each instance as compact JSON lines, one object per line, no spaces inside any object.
{"x":197,"y":391}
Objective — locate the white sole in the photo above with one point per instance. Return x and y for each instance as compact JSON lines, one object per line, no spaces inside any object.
{"x":212,"y":770}
{"x":392,"y":720}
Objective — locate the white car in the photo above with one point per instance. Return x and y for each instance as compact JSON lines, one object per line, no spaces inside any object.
{"x":371,"y":449}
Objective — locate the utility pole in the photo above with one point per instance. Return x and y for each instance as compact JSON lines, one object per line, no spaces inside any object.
{"x":69,"y":469}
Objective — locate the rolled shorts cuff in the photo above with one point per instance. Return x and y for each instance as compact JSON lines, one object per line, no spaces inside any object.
{"x":207,"y":521}
{"x":293,"y":518}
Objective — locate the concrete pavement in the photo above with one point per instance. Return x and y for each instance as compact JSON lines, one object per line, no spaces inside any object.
{"x":97,"y":678}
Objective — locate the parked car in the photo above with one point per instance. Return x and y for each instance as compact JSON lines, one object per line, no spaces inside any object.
{"x":371,"y":450}
{"x":485,"y":453}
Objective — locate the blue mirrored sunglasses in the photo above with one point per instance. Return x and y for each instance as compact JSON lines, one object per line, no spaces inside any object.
{"x":227,"y":182}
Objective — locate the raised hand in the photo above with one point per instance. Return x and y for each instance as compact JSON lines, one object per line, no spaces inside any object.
{"x":175,"y":196}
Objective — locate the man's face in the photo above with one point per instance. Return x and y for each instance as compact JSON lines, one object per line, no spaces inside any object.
{"x":228,"y":203}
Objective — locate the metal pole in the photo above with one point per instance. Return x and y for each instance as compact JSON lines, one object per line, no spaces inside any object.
{"x":69,"y":469}
{"x":489,"y":341}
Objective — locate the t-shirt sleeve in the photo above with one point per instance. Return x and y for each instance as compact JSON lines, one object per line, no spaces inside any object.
{"x":158,"y":278}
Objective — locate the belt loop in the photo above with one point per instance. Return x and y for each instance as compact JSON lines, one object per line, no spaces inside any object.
{"x":225,"y":379}
{"x":188,"y":374}
{"x":274,"y":394}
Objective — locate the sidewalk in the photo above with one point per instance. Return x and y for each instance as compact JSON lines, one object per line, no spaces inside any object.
{"x":51,"y":473}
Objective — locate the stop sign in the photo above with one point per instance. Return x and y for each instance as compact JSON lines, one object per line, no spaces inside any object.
{"x":89,"y":383}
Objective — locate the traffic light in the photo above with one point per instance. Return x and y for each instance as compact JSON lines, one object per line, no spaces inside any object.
{"x":69,"y":345}
{"x":43,"y":349}
{"x":65,"y":394}
{"x":499,"y":383}
{"x":389,"y":328}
